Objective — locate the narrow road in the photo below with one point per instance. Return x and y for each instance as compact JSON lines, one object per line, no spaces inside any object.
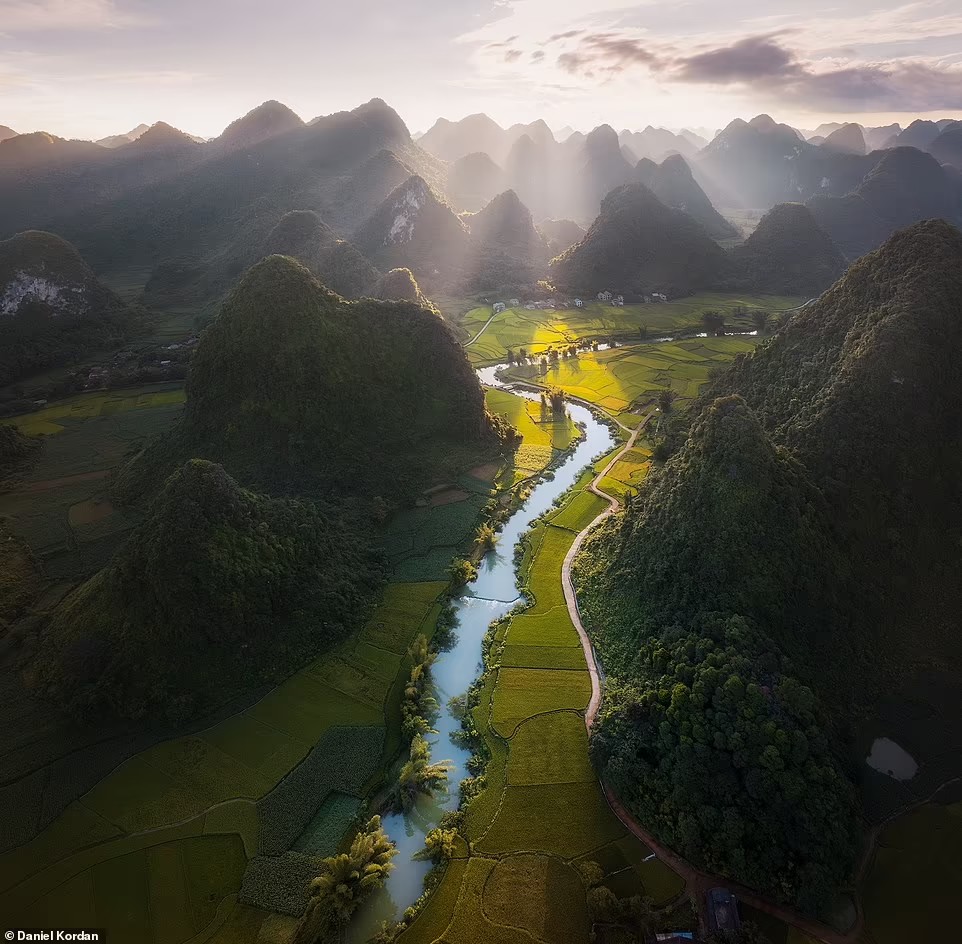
{"x":696,"y":881}
{"x":484,"y":328}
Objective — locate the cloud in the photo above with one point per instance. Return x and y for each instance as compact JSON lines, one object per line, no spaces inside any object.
{"x":569,"y":34}
{"x":748,"y":60}
{"x":26,"y":16}
{"x":513,"y":55}
{"x":763,"y":63}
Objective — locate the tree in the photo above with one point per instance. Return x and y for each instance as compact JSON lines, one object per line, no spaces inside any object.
{"x":556,"y":397}
{"x":462,"y":572}
{"x":632,"y":915}
{"x":714,"y":322}
{"x":510,"y":354}
{"x":439,"y":845}
{"x":760,"y":320}
{"x":486,"y":536}
{"x":522,"y":355}
{"x":344,"y":882}
{"x":666,"y":400}
{"x":418,"y":775}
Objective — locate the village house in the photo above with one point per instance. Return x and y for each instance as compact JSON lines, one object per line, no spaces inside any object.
{"x":579,"y":303}
{"x":515,"y":302}
{"x":658,"y":297}
{"x":604,"y":296}
{"x":498,"y":308}
{"x":619,"y":301}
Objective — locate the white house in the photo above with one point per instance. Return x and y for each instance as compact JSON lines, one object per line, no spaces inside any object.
{"x":579,"y":303}
{"x":498,"y":308}
{"x":515,"y":302}
{"x":530,"y":306}
{"x":658,"y":297}
{"x":619,"y":300}
{"x":604,"y":296}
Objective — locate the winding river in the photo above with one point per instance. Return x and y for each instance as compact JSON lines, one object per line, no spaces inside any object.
{"x":488,"y":598}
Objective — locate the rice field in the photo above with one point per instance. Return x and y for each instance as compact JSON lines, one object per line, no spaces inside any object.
{"x":331,"y":724}
{"x":915,"y":877}
{"x":537,"y":330}
{"x":626,"y":378}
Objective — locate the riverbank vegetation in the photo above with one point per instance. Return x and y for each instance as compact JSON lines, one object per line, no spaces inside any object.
{"x":345,"y":881}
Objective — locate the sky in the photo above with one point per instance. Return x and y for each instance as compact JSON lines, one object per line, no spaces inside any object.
{"x":89,"y":68}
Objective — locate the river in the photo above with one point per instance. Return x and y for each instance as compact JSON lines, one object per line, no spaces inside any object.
{"x":488,"y":598}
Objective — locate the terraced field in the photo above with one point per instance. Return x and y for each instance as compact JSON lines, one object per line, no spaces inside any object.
{"x":537,"y":330}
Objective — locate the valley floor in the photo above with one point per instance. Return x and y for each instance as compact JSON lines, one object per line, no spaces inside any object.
{"x":158,"y":849}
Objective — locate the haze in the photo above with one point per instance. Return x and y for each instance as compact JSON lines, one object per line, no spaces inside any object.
{"x":90,"y":68}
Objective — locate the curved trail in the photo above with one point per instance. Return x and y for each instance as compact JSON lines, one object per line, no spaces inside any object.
{"x":697,"y":882}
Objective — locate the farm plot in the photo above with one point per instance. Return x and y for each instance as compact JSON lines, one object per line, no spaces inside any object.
{"x":910,"y":891}
{"x":333,"y":712}
{"x":543,"y":434}
{"x":620,"y":378}
{"x":522,"y":693}
{"x":537,"y":894}
{"x":628,"y":473}
{"x":165,"y":886}
{"x":538,"y":330}
{"x":551,"y":748}
{"x":59,"y":506}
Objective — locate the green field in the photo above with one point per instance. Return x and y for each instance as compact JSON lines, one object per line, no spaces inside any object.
{"x":536,"y":331}
{"x":213,"y":779}
{"x":60,"y":506}
{"x":627,"y":378}
{"x":913,"y":884}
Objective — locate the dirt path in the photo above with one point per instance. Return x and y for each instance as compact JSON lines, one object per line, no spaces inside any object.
{"x":696,"y":881}
{"x":571,"y":598}
{"x":484,"y":328}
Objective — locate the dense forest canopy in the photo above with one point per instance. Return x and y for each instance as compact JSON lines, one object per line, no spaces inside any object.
{"x":217,"y":590}
{"x":754,"y":578}
{"x":294,"y":387}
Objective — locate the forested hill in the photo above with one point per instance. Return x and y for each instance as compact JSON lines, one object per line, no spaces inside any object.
{"x":638,"y":245}
{"x":330,"y":409}
{"x":805,"y":535}
{"x":788,"y":254}
{"x":865,"y":388}
{"x":217,"y":590}
{"x":53,"y":309}
{"x":294,"y":387}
